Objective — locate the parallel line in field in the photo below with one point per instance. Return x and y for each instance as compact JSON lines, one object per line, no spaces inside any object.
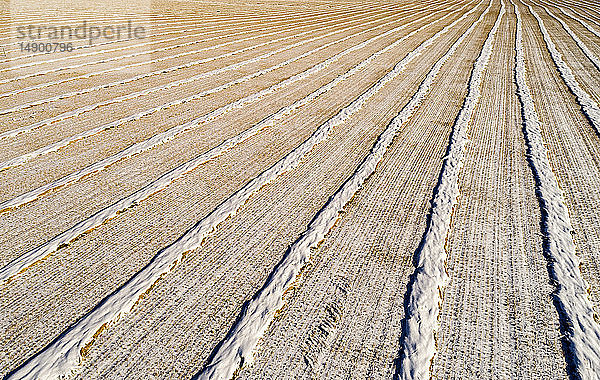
{"x":237,"y":349}
{"x":63,"y":354}
{"x":572,"y":14}
{"x":167,"y":135}
{"x":145,"y":75}
{"x":215,"y":20}
{"x":418,"y":346}
{"x":19,"y":160}
{"x":162,"y":31}
{"x":105,"y":60}
{"x":579,"y":10}
{"x":117,"y":68}
{"x":164,"y":25}
{"x":576,"y":311}
{"x":588,"y":53}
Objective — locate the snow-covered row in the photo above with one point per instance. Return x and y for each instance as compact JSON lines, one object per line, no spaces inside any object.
{"x":238,"y":348}
{"x":162,"y":71}
{"x":180,"y":26}
{"x":62,"y":356}
{"x":111,"y":59}
{"x":135,"y":64}
{"x":579,"y":18}
{"x":129,"y":47}
{"x":133,"y":95}
{"x":576,"y":311}
{"x":421,"y":320}
{"x":169,"y":134}
{"x":588,"y":105}
{"x":588,"y":53}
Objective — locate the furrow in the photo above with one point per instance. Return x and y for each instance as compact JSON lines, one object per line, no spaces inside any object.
{"x":577,"y":314}
{"x":579,"y":19}
{"x":423,"y":298}
{"x":237,"y":349}
{"x":118,"y":68}
{"x":63,"y":355}
{"x":588,"y":53}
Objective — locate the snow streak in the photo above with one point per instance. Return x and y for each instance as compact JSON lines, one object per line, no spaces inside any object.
{"x":421,"y":320}
{"x":240,"y":343}
{"x":582,"y":331}
{"x":169,"y":134}
{"x":588,"y":53}
{"x":62,"y":356}
{"x":588,"y":105}
{"x":138,"y":115}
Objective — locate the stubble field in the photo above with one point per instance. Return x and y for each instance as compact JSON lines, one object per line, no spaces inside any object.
{"x":303,"y":189}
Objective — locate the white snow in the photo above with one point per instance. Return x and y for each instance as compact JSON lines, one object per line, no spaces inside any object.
{"x":571,"y":292}
{"x":62,"y":356}
{"x":418,"y":344}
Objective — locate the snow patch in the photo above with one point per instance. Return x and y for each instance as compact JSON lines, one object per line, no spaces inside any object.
{"x":238,"y":347}
{"x":421,"y":321}
{"x":571,"y":292}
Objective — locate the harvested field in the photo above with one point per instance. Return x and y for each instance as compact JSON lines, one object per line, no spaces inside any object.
{"x":301,"y":189}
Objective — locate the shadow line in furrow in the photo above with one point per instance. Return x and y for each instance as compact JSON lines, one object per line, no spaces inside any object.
{"x":172,"y":132}
{"x":19,"y":160}
{"x":63,"y":354}
{"x":581,"y":339}
{"x":79,"y":111}
{"x":237,"y":348}
{"x":179,"y":55}
{"x":588,"y":106}
{"x":423,"y":297}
